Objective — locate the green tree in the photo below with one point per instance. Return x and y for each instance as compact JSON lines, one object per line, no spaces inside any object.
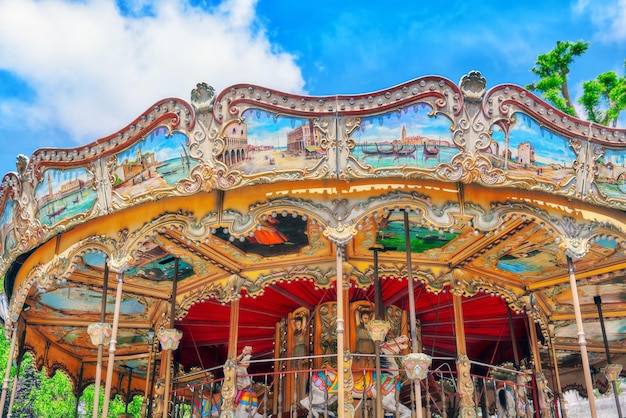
{"x":553,"y":68}
{"x":54,"y":397}
{"x":603,"y":98}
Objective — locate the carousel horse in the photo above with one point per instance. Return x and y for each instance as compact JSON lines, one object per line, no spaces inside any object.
{"x":246,"y":395}
{"x":322,"y":389}
{"x":512,"y":401}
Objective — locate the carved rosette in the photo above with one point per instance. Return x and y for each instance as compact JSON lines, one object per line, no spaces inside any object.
{"x":169,"y":338}
{"x":340,"y":234}
{"x":612,"y":371}
{"x":416,"y":365}
{"x":466,"y":386}
{"x":575,"y":247}
{"x":378,"y":329}
{"x":99,"y":333}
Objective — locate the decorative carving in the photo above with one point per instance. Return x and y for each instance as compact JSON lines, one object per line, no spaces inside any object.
{"x":99,"y":333}
{"x":465,"y":386}
{"x":169,"y":338}
{"x":201,"y":97}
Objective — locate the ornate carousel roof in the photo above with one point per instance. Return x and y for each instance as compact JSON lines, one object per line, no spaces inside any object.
{"x":246,"y":195}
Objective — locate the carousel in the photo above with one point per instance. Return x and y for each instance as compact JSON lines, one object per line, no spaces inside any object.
{"x":433,"y":249}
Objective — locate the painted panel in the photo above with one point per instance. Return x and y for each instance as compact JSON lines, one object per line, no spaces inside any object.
{"x":63,"y":194}
{"x":276,"y":235}
{"x":391,"y":234}
{"x":157,"y":162}
{"x":265,"y":142}
{"x":533,"y":151}
{"x":411,"y":137}
{"x":611,"y":177}
{"x":7,"y":228}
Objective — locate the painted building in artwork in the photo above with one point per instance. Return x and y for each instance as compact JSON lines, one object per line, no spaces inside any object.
{"x":526,"y":154}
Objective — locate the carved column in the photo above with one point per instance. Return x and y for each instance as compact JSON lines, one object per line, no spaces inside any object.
{"x":169,"y":338}
{"x":540,"y":379}
{"x":229,"y":389}
{"x":465,"y":384}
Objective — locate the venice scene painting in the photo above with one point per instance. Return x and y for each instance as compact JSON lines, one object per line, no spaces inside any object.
{"x":157,"y":162}
{"x":532,"y":150}
{"x":264,"y":142}
{"x":7,"y":228}
{"x":63,"y":194}
{"x":409,"y":137}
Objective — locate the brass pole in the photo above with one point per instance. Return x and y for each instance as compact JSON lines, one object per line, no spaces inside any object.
{"x":340,"y":332}
{"x":168,"y":354}
{"x":380,"y":313}
{"x":582,"y":342}
{"x":113,"y":345}
{"x":103,"y":312}
{"x":413,"y":321}
{"x":598,"y":302}
{"x":556,"y":370}
{"x":7,"y":373}
{"x":14,"y":389}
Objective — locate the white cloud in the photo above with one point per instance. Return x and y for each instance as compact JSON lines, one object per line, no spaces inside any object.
{"x":94,"y":70}
{"x":609,"y":17}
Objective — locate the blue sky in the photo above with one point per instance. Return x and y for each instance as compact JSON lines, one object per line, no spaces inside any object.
{"x":72,"y":71}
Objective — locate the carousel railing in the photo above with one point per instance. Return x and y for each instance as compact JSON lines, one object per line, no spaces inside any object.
{"x":198,"y":393}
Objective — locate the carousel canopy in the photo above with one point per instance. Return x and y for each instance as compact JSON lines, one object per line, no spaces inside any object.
{"x":248,"y":194}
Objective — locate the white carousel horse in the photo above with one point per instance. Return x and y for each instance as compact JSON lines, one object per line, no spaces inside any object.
{"x":246,"y":398}
{"x":512,"y":401}
{"x":323,"y":385}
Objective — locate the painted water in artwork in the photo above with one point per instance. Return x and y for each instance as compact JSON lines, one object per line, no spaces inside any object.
{"x":391,"y":234}
{"x":156,"y":162}
{"x":63,"y":194}
{"x":409,"y":137}
{"x":532,"y":150}
{"x":611,"y":177}
{"x":266,"y":142}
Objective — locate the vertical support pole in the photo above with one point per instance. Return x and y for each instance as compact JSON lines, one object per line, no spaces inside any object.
{"x":229,"y":389}
{"x":380,"y":314}
{"x":412,"y":319}
{"x":170,"y":348}
{"x":103,"y":312}
{"x":14,"y":389}
{"x":556,"y":370}
{"x":113,"y":345}
{"x":582,"y":342}
{"x":79,"y":385}
{"x":540,"y":380}
{"x":146,"y":397}
{"x":7,"y":373}
{"x":340,"y":332}
{"x":465,"y":383}
{"x":598,"y":302}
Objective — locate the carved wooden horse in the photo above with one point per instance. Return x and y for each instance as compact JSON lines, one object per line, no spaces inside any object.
{"x":323,"y":385}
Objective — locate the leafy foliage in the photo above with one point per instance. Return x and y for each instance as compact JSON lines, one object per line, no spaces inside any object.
{"x":40,"y":396}
{"x":603,"y":98}
{"x":553,"y":68}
